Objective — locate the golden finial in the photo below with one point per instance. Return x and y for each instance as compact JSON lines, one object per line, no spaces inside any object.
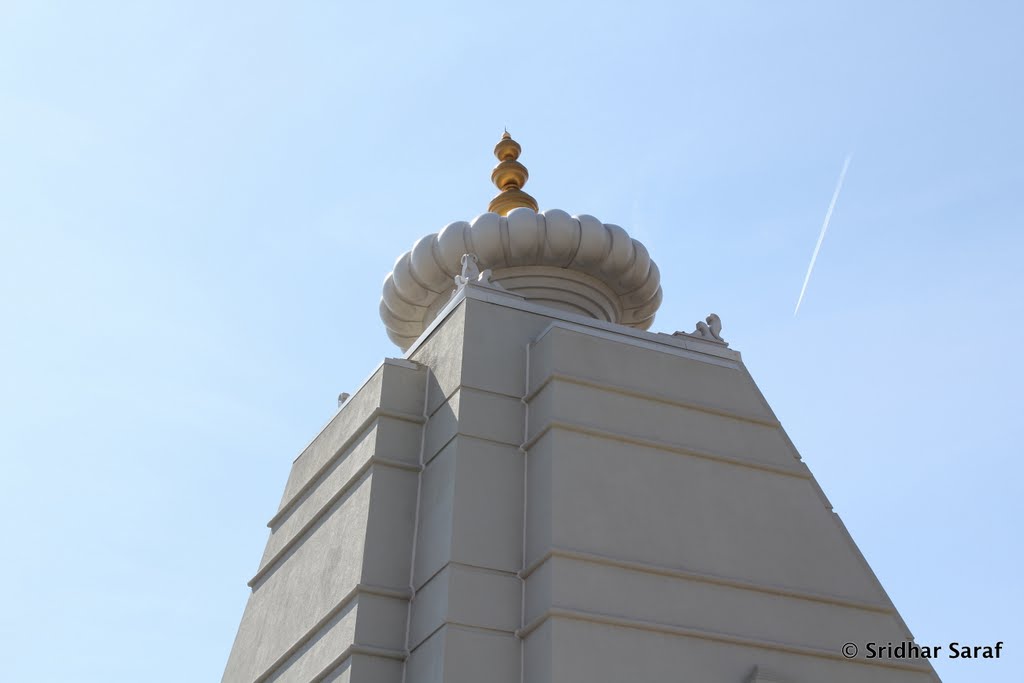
{"x":509,"y":176}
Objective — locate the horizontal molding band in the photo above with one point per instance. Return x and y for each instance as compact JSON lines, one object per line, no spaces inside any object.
{"x":509,"y":573}
{"x":359,"y":589}
{"x":460,"y":435}
{"x":461,"y":387}
{"x":373,"y":651}
{"x":357,"y":433}
{"x":512,"y":633}
{"x":683,"y":346}
{"x":424,"y":639}
{"x":445,"y":400}
{"x":462,"y":626}
{"x":485,"y":390}
{"x":350,"y":483}
{"x":428,"y":456}
{"x":590,"y":430}
{"x":703,"y":577}
{"x":448,"y":566}
{"x":612,"y":387}
{"x":364,"y":650}
{"x":656,"y":627}
{"x":428,"y":459}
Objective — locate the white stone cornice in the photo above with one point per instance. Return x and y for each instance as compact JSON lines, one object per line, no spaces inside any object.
{"x":573,"y":263}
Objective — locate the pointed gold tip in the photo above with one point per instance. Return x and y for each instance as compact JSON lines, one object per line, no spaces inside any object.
{"x":509,"y":176}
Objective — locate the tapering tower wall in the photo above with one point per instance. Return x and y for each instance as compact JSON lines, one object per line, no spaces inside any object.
{"x":537,"y":496}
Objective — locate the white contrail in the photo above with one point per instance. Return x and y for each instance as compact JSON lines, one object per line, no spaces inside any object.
{"x":821,"y":237}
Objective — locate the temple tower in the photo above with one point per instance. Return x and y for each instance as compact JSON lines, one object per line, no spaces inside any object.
{"x":543,"y":491}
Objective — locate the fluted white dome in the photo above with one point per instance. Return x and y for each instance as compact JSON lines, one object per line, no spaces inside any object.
{"x":573,"y":263}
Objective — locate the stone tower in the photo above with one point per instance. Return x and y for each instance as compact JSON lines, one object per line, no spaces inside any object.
{"x":542,"y":491}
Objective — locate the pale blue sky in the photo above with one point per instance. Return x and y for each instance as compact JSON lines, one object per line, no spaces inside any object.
{"x":185,"y":285}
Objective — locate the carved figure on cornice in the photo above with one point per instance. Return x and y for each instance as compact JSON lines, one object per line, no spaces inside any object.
{"x":710,"y":328}
{"x":471,"y":273}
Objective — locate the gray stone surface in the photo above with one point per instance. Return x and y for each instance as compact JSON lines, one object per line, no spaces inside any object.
{"x":538,"y":496}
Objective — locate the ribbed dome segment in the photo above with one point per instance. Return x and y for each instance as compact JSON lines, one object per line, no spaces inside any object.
{"x":573,"y":263}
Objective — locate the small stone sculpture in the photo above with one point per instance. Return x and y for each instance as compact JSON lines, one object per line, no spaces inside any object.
{"x":709,"y":329}
{"x":471,"y":274}
{"x":712,"y":327}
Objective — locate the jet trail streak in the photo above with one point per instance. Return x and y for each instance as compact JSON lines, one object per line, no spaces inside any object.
{"x":821,"y":237}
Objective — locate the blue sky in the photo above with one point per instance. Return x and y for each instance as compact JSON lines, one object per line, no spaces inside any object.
{"x":186,"y":282}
